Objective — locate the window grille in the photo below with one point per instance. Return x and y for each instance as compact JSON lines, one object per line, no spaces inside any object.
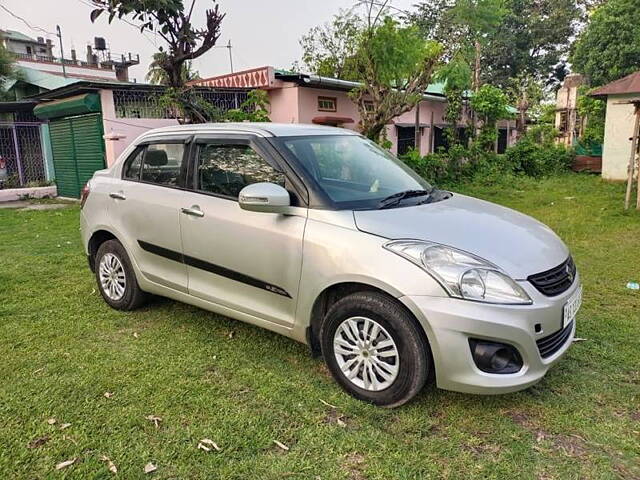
{"x":143,"y":103}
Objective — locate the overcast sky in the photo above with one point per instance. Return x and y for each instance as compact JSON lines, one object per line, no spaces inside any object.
{"x":261,"y":32}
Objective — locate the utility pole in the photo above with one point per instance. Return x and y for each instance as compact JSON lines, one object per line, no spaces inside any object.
{"x":64,"y":68}
{"x":230,"y":56}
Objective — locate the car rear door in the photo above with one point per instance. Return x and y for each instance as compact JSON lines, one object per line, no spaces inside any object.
{"x":145,"y":210}
{"x":246,"y":261}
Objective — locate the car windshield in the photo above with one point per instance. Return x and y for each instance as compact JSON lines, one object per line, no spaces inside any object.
{"x":356,"y":173}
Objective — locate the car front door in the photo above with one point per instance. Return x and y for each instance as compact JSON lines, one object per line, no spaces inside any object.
{"x":145,"y":210}
{"x":247,"y":261}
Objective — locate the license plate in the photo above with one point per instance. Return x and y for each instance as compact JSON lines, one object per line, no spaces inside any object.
{"x":571,"y":307}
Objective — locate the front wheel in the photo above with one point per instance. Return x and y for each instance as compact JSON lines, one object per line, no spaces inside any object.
{"x":116,"y":278}
{"x":375,"y":349}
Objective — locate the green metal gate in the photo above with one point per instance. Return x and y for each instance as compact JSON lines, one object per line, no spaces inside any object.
{"x":78,"y":151}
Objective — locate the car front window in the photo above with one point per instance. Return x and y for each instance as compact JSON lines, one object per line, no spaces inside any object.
{"x":352,"y":171}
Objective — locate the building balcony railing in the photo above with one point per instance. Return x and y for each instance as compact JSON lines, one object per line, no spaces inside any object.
{"x":108,"y":63}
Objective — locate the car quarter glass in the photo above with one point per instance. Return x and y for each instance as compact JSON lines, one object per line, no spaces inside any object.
{"x":133,"y":165}
{"x":391,"y":281}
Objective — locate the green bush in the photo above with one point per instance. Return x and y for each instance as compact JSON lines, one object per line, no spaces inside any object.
{"x":537,"y":160}
{"x":534,"y":156}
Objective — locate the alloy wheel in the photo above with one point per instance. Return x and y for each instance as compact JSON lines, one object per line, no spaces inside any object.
{"x":366,"y":354}
{"x":112,"y":277}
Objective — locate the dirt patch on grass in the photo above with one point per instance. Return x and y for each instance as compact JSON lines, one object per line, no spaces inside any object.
{"x":323,"y":370}
{"x":354,"y":464}
{"x":334,"y":417}
{"x":570,"y":445}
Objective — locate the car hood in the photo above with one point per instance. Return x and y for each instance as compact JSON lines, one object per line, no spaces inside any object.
{"x":515,"y":242}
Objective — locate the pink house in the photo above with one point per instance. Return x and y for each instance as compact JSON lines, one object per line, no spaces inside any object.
{"x":303,"y":98}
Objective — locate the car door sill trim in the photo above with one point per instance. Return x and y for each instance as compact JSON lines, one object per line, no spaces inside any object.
{"x":211,"y":268}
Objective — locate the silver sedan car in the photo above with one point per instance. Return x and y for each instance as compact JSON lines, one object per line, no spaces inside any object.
{"x":320,"y":235}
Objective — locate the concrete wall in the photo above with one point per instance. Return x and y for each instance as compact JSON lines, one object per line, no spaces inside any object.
{"x":284,"y":104}
{"x":617,"y":132}
{"x":120,"y":132}
{"x":79,"y":72}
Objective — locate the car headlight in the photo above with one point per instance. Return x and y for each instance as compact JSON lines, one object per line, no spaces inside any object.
{"x":461,"y":274}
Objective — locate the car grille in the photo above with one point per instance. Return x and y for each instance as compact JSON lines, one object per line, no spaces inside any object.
{"x":547,"y":346}
{"x":555,"y":281}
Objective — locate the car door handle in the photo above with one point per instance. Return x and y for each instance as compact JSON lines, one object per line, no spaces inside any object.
{"x":118,"y":195}
{"x":193,"y":211}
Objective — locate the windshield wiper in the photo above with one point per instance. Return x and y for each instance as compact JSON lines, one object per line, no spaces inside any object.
{"x":396,"y":198}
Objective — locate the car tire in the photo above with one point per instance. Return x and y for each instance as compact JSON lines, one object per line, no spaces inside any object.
{"x":116,"y":278}
{"x":387,"y":369}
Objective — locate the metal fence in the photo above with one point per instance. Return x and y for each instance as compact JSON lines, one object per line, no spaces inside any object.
{"x":143,"y":103}
{"x":21,"y":159}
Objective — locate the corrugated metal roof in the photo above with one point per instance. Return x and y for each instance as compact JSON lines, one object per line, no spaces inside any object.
{"x":625,"y":85}
{"x":45,"y":80}
{"x":18,"y":36}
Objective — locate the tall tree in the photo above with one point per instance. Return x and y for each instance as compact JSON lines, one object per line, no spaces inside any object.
{"x":609,"y":46}
{"x":330,"y":49}
{"x":533,"y":37}
{"x":172,"y":22}
{"x":396,"y":66}
{"x":464,"y":26}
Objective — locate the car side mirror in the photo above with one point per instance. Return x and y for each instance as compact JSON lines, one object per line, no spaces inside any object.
{"x":264,"y":197}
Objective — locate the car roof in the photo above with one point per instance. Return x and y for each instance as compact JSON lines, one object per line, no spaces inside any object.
{"x":265,"y":129}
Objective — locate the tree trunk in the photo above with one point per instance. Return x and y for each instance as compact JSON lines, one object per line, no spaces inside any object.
{"x":373,"y":131}
{"x":521,"y":122}
{"x":476,"y":87}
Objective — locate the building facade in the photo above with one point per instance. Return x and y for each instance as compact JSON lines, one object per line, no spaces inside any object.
{"x":302,"y":98}
{"x":623,"y":98}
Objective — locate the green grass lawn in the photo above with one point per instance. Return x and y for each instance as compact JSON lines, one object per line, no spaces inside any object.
{"x":205,"y":376}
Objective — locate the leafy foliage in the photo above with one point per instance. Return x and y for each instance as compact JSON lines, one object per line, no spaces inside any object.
{"x":531,"y":39}
{"x":158,"y":76}
{"x":7,"y":70}
{"x":490,"y":105}
{"x":593,"y":111}
{"x":534,"y":156}
{"x":254,"y":109}
{"x":170,"y":20}
{"x":396,"y":65}
{"x":330,"y":49}
{"x":609,"y":46}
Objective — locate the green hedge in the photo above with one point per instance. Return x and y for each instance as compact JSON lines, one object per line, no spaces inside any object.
{"x":530,"y":157}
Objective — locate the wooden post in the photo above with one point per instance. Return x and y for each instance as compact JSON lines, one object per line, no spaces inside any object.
{"x":632,"y":159}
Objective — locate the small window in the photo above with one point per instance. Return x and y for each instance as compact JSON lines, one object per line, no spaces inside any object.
{"x":163,"y":164}
{"x":368,"y":106}
{"x":327,"y":104}
{"x":227,"y":169}
{"x":131,"y":170}
{"x":29,"y":50}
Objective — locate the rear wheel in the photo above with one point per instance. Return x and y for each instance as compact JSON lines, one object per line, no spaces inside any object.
{"x":375,"y":349}
{"x":116,"y":278}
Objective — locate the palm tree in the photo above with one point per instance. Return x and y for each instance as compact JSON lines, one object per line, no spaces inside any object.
{"x":158,"y":76}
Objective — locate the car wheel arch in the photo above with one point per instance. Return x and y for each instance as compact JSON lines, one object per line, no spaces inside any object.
{"x":334,"y":292}
{"x":98,"y":238}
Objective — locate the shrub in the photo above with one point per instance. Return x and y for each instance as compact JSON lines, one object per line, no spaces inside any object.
{"x":534,"y":156}
{"x":537,"y":160}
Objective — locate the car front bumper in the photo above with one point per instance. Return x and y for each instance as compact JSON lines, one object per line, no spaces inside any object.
{"x":450,"y":323}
